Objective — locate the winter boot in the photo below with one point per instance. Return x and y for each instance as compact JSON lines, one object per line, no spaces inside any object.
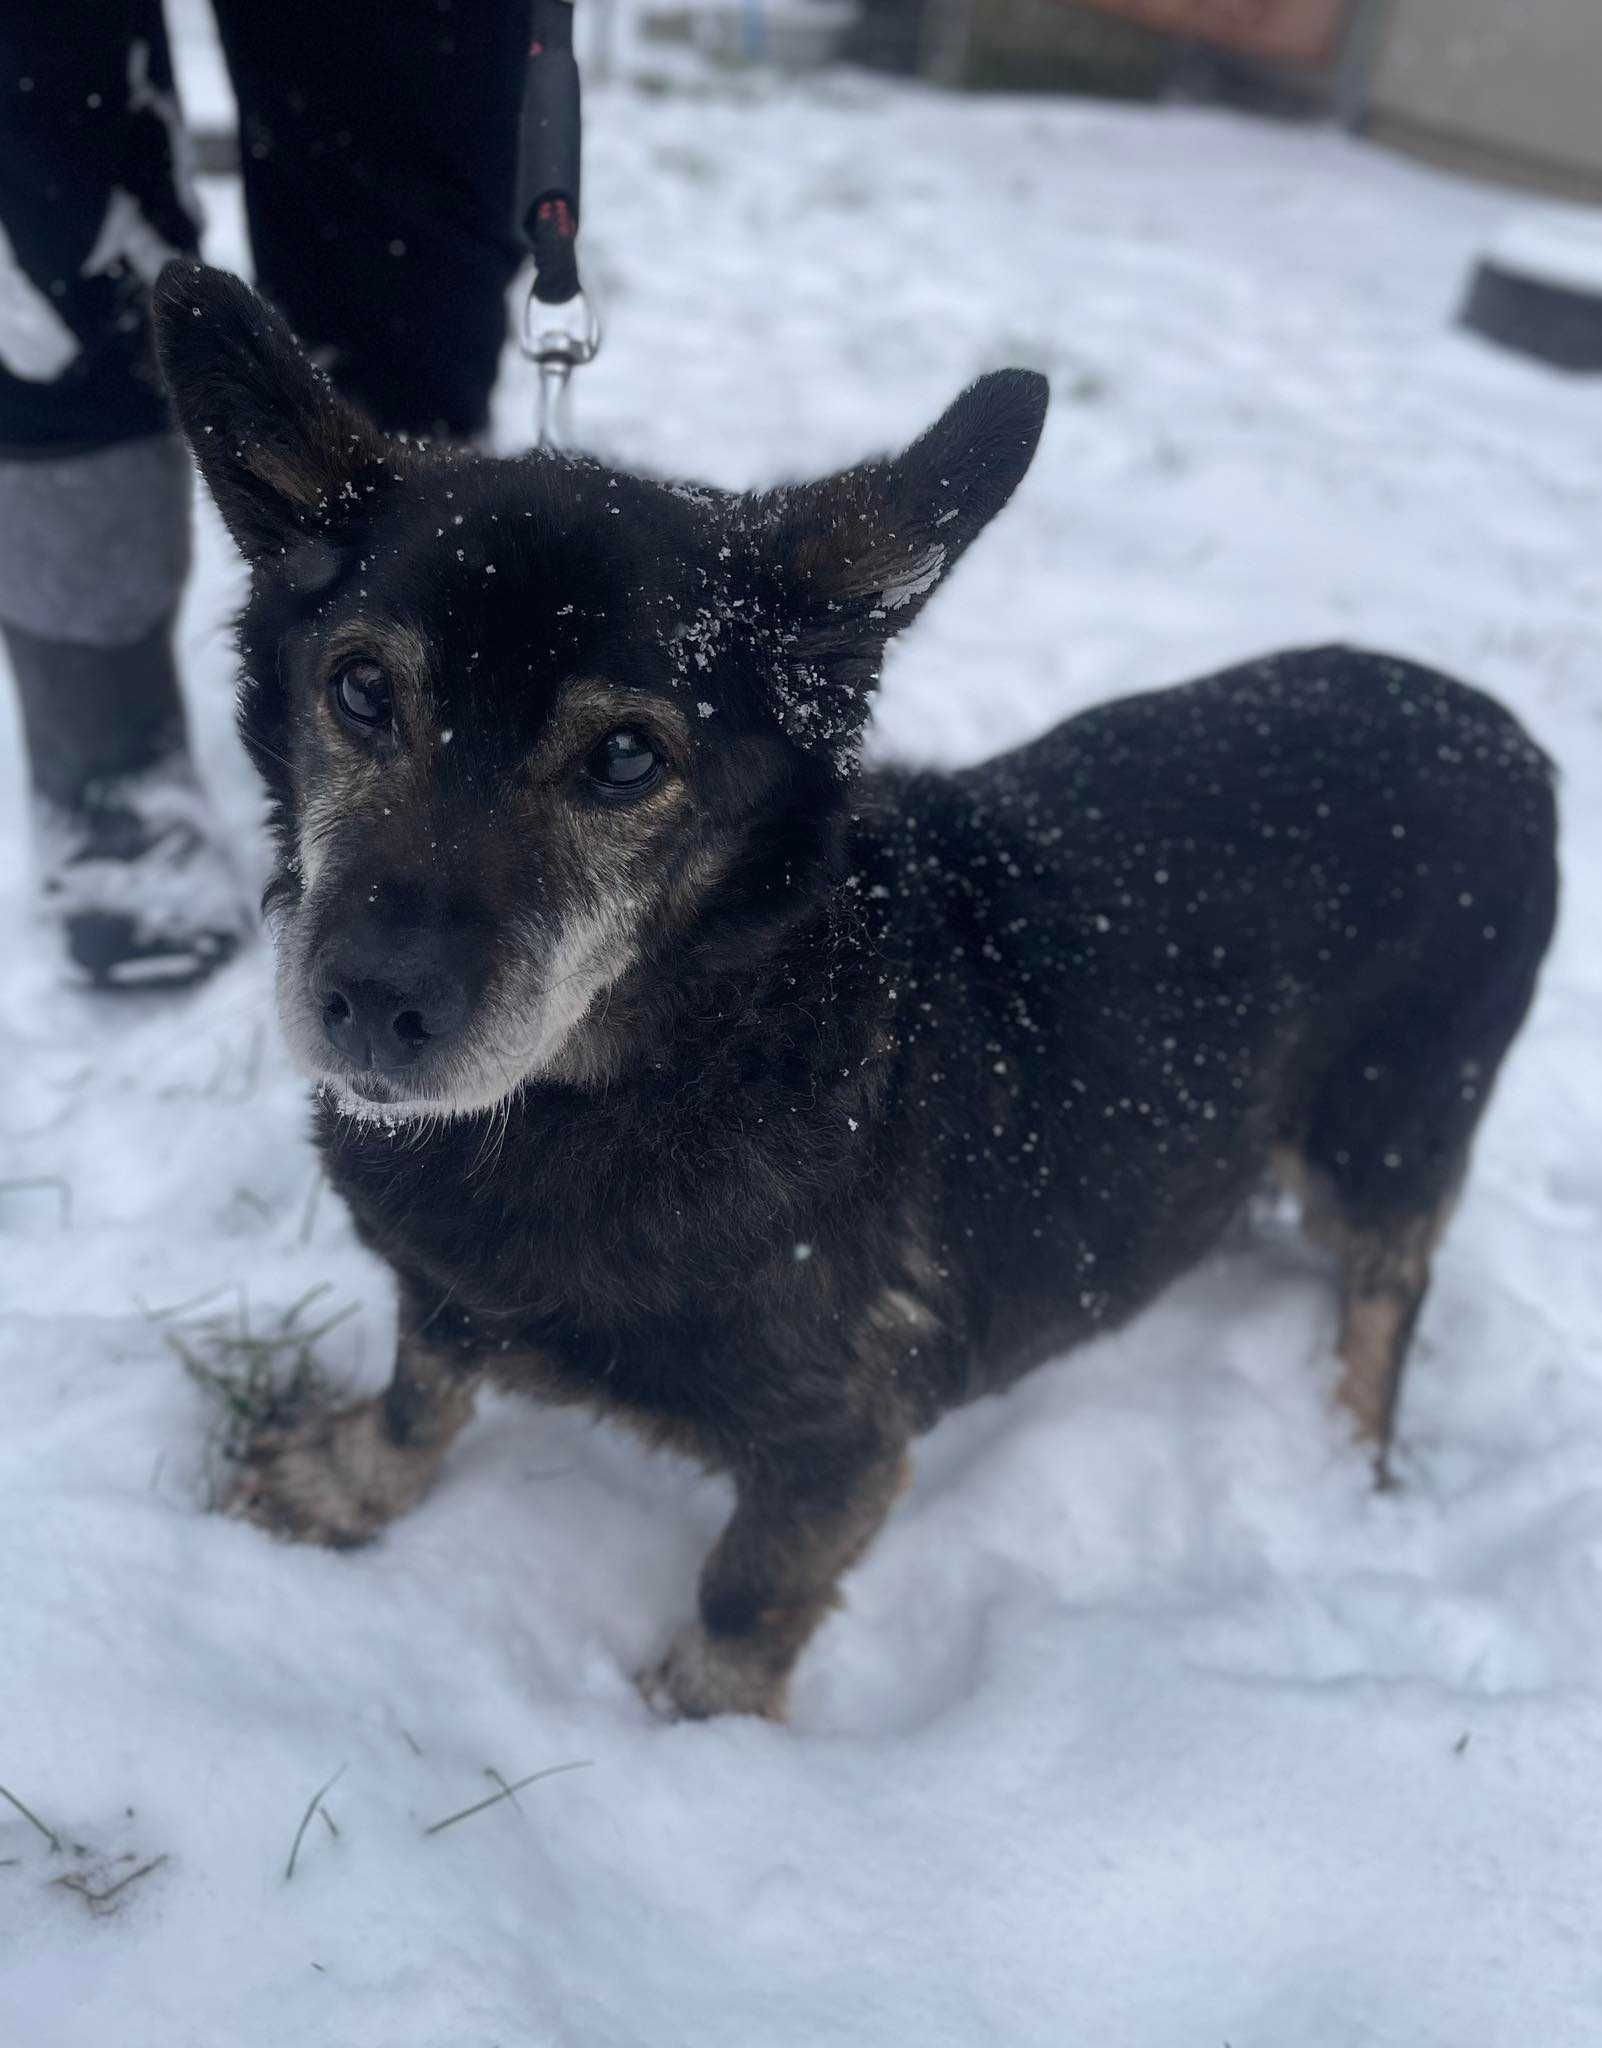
{"x":93,"y":549}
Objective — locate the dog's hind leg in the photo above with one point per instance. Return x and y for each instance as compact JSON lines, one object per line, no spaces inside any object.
{"x":338,"y":1476}
{"x":1383,"y":1135}
{"x":1384,"y":1273}
{"x":1379,"y":1163}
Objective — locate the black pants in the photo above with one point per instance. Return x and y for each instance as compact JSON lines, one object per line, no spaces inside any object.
{"x":378,"y":146}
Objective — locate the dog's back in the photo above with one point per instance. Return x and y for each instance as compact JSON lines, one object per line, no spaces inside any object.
{"x":1295,"y":907}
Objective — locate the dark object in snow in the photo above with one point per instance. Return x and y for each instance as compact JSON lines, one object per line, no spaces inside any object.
{"x":1539,"y":292}
{"x":682,"y":1070}
{"x":104,"y":1888}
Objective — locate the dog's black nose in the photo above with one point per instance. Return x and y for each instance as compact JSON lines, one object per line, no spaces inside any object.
{"x":379,"y":1024}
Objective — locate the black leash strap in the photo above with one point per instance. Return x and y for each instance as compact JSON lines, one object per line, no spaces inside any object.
{"x":560,"y":330}
{"x":548,"y":153}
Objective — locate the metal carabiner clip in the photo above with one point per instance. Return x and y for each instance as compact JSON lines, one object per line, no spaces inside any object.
{"x":558,"y":340}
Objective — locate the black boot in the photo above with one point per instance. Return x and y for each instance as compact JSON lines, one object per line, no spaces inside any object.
{"x":130,"y":856}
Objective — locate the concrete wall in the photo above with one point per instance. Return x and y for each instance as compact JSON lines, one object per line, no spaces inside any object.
{"x":1510,"y":89}
{"x":1512,"y":86}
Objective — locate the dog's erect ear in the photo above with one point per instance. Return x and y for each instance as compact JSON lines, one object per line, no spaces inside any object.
{"x":279,"y":448}
{"x":859,"y":553}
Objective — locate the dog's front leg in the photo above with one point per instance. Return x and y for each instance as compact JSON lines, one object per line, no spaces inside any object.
{"x":337,"y":1476}
{"x":772,"y":1577}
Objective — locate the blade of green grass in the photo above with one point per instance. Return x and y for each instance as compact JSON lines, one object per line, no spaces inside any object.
{"x":506,"y":1792}
{"x":313,"y":1803}
{"x":29,"y":1815}
{"x":308,"y":1220}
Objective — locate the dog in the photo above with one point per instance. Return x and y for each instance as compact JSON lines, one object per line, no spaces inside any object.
{"x":681,"y":1068}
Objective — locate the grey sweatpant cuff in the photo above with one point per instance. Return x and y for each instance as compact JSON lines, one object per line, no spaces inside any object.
{"x":94,"y":548}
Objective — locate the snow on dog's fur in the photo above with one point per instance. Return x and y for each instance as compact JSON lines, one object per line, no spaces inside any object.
{"x":680,"y":1068}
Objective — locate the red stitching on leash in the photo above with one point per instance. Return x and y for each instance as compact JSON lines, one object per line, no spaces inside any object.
{"x":557,"y":213}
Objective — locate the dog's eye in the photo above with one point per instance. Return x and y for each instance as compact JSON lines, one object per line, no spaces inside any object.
{"x":361,"y":695}
{"x":624,"y":764}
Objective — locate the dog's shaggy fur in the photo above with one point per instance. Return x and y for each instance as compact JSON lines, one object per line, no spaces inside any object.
{"x":774,"y":1105}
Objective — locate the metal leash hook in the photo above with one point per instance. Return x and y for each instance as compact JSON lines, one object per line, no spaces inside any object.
{"x":560,"y":329}
{"x":558,"y":340}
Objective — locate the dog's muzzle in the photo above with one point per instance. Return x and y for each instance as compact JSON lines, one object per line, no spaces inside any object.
{"x":384,"y":1005}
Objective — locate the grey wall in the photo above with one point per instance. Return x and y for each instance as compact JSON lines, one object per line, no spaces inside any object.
{"x":1513,"y":80}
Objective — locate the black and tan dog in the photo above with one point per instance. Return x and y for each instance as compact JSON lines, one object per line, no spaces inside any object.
{"x":679,"y":1068}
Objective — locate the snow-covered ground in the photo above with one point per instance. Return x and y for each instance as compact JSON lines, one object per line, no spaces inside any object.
{"x":1146,"y":1723}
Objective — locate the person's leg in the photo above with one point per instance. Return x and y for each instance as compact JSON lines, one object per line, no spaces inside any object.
{"x":94,"y":487}
{"x":379,"y":147}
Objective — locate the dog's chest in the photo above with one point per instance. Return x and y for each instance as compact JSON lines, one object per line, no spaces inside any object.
{"x":585,"y":1220}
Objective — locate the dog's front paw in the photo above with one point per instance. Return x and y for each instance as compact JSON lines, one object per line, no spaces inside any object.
{"x":702,"y":1675}
{"x":335,"y":1478}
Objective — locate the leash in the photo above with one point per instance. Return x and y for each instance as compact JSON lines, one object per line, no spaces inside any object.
{"x":560,"y":329}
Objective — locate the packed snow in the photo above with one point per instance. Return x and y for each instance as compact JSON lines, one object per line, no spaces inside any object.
{"x":1147,"y":1721}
